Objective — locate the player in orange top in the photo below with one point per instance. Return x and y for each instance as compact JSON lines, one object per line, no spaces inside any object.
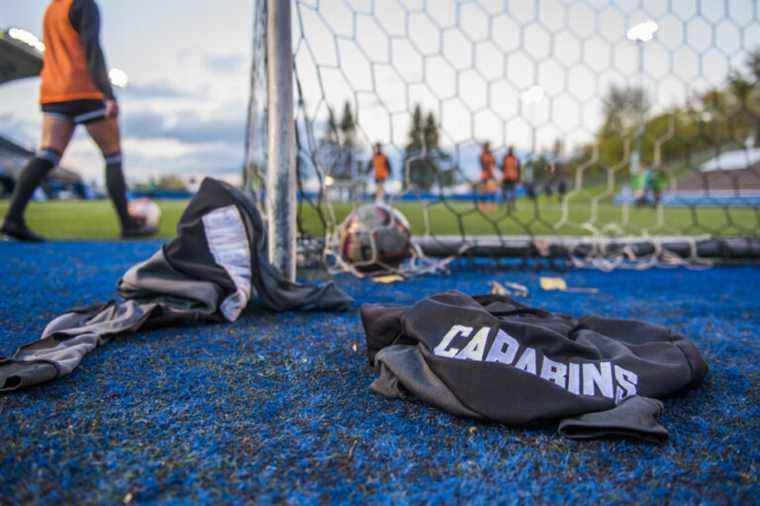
{"x":487,"y":165}
{"x":381,"y":169}
{"x":487,"y":186}
{"x":75,"y":90}
{"x":510,"y":170}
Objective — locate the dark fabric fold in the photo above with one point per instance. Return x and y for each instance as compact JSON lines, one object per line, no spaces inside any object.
{"x":493,"y":358}
{"x":634,"y":418}
{"x":211,"y":271}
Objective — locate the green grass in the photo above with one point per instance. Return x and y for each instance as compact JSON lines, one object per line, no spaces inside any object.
{"x":89,"y":219}
{"x":97,"y":220}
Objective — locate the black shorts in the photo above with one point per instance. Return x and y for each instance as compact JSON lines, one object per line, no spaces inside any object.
{"x":79,"y":112}
{"x":508,"y":185}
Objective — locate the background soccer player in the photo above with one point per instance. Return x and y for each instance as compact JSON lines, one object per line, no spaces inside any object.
{"x":510,"y":170}
{"x":75,"y":90}
{"x":487,"y":186}
{"x":555,"y":180}
{"x":487,"y":165}
{"x":381,"y":167}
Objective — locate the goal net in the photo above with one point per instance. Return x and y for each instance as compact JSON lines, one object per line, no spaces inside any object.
{"x":634,"y":126}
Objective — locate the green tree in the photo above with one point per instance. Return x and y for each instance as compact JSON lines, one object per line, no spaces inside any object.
{"x":329,"y":151}
{"x":438,"y":157}
{"x":624,"y":106}
{"x":163,"y":183}
{"x":747,"y":92}
{"x":430,"y":132}
{"x":415,"y":136}
{"x":348,"y":125}
{"x":339,"y":148}
{"x":423,"y":156}
{"x":332,"y":127}
{"x":348,"y":142}
{"x":413,"y":149}
{"x":753,"y":62}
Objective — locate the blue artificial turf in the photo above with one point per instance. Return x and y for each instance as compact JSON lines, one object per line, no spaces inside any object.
{"x":276,"y":407}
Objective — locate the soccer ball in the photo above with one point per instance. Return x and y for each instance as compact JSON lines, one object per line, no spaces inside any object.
{"x":374,"y":237}
{"x":145,"y":212}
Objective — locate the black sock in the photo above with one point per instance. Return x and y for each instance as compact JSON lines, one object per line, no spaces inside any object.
{"x":117,"y":188}
{"x":31,"y":178}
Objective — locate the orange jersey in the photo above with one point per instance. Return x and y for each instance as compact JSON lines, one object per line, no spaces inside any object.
{"x":65,"y":75}
{"x":487,"y":166}
{"x":380,"y":166}
{"x":511,"y":169}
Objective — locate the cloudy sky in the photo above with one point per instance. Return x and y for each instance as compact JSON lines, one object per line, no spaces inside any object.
{"x":184,"y":110}
{"x":473,"y":64}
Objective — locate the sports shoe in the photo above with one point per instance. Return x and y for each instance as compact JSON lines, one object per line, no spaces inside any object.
{"x":19,"y":231}
{"x":138,"y":231}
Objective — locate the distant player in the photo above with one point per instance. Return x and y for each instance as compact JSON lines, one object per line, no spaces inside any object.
{"x":658,"y":184}
{"x":487,"y":185}
{"x":75,"y":90}
{"x":510,"y":176}
{"x":555,"y":180}
{"x":527,"y":178}
{"x":487,"y":165}
{"x":648,"y":185}
{"x":380,"y":166}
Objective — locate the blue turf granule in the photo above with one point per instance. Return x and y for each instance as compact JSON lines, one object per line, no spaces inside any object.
{"x":276,"y":407}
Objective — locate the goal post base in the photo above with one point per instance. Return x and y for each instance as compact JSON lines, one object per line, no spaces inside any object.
{"x":491,"y":246}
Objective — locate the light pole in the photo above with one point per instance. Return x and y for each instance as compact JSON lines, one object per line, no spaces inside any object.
{"x":118,"y":78}
{"x":26,"y":37}
{"x":641,"y":34}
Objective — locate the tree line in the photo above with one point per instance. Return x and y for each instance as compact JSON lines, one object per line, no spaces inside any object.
{"x":718,"y":119}
{"x":423,"y":163}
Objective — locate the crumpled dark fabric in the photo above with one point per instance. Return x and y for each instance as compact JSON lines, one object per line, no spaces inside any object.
{"x":492,"y":358}
{"x":635,"y":417}
{"x":211,"y":271}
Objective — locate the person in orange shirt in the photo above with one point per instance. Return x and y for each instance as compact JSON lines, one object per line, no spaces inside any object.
{"x":381,"y":169}
{"x":74,"y":90}
{"x":487,"y":165}
{"x":510,"y":170}
{"x":487,"y":186}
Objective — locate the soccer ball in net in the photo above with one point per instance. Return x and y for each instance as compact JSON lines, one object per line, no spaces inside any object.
{"x":374,"y":237}
{"x":145,"y":212}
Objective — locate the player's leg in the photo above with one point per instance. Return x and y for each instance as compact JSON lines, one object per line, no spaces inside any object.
{"x":548,"y":190}
{"x":56,"y":135}
{"x":506,"y":188}
{"x":380,"y":192}
{"x":561,"y":190}
{"x":105,"y":132}
{"x":530,"y":191}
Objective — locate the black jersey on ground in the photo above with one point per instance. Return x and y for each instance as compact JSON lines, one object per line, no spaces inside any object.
{"x":493,"y":358}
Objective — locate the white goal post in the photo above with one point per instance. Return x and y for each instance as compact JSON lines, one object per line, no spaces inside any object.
{"x":271,"y":123}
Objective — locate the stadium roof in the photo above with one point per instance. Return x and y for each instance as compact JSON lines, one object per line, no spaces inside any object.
{"x":10,"y":146}
{"x":20,"y":55}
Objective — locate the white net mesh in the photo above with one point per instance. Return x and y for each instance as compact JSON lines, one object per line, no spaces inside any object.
{"x":637,"y":123}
